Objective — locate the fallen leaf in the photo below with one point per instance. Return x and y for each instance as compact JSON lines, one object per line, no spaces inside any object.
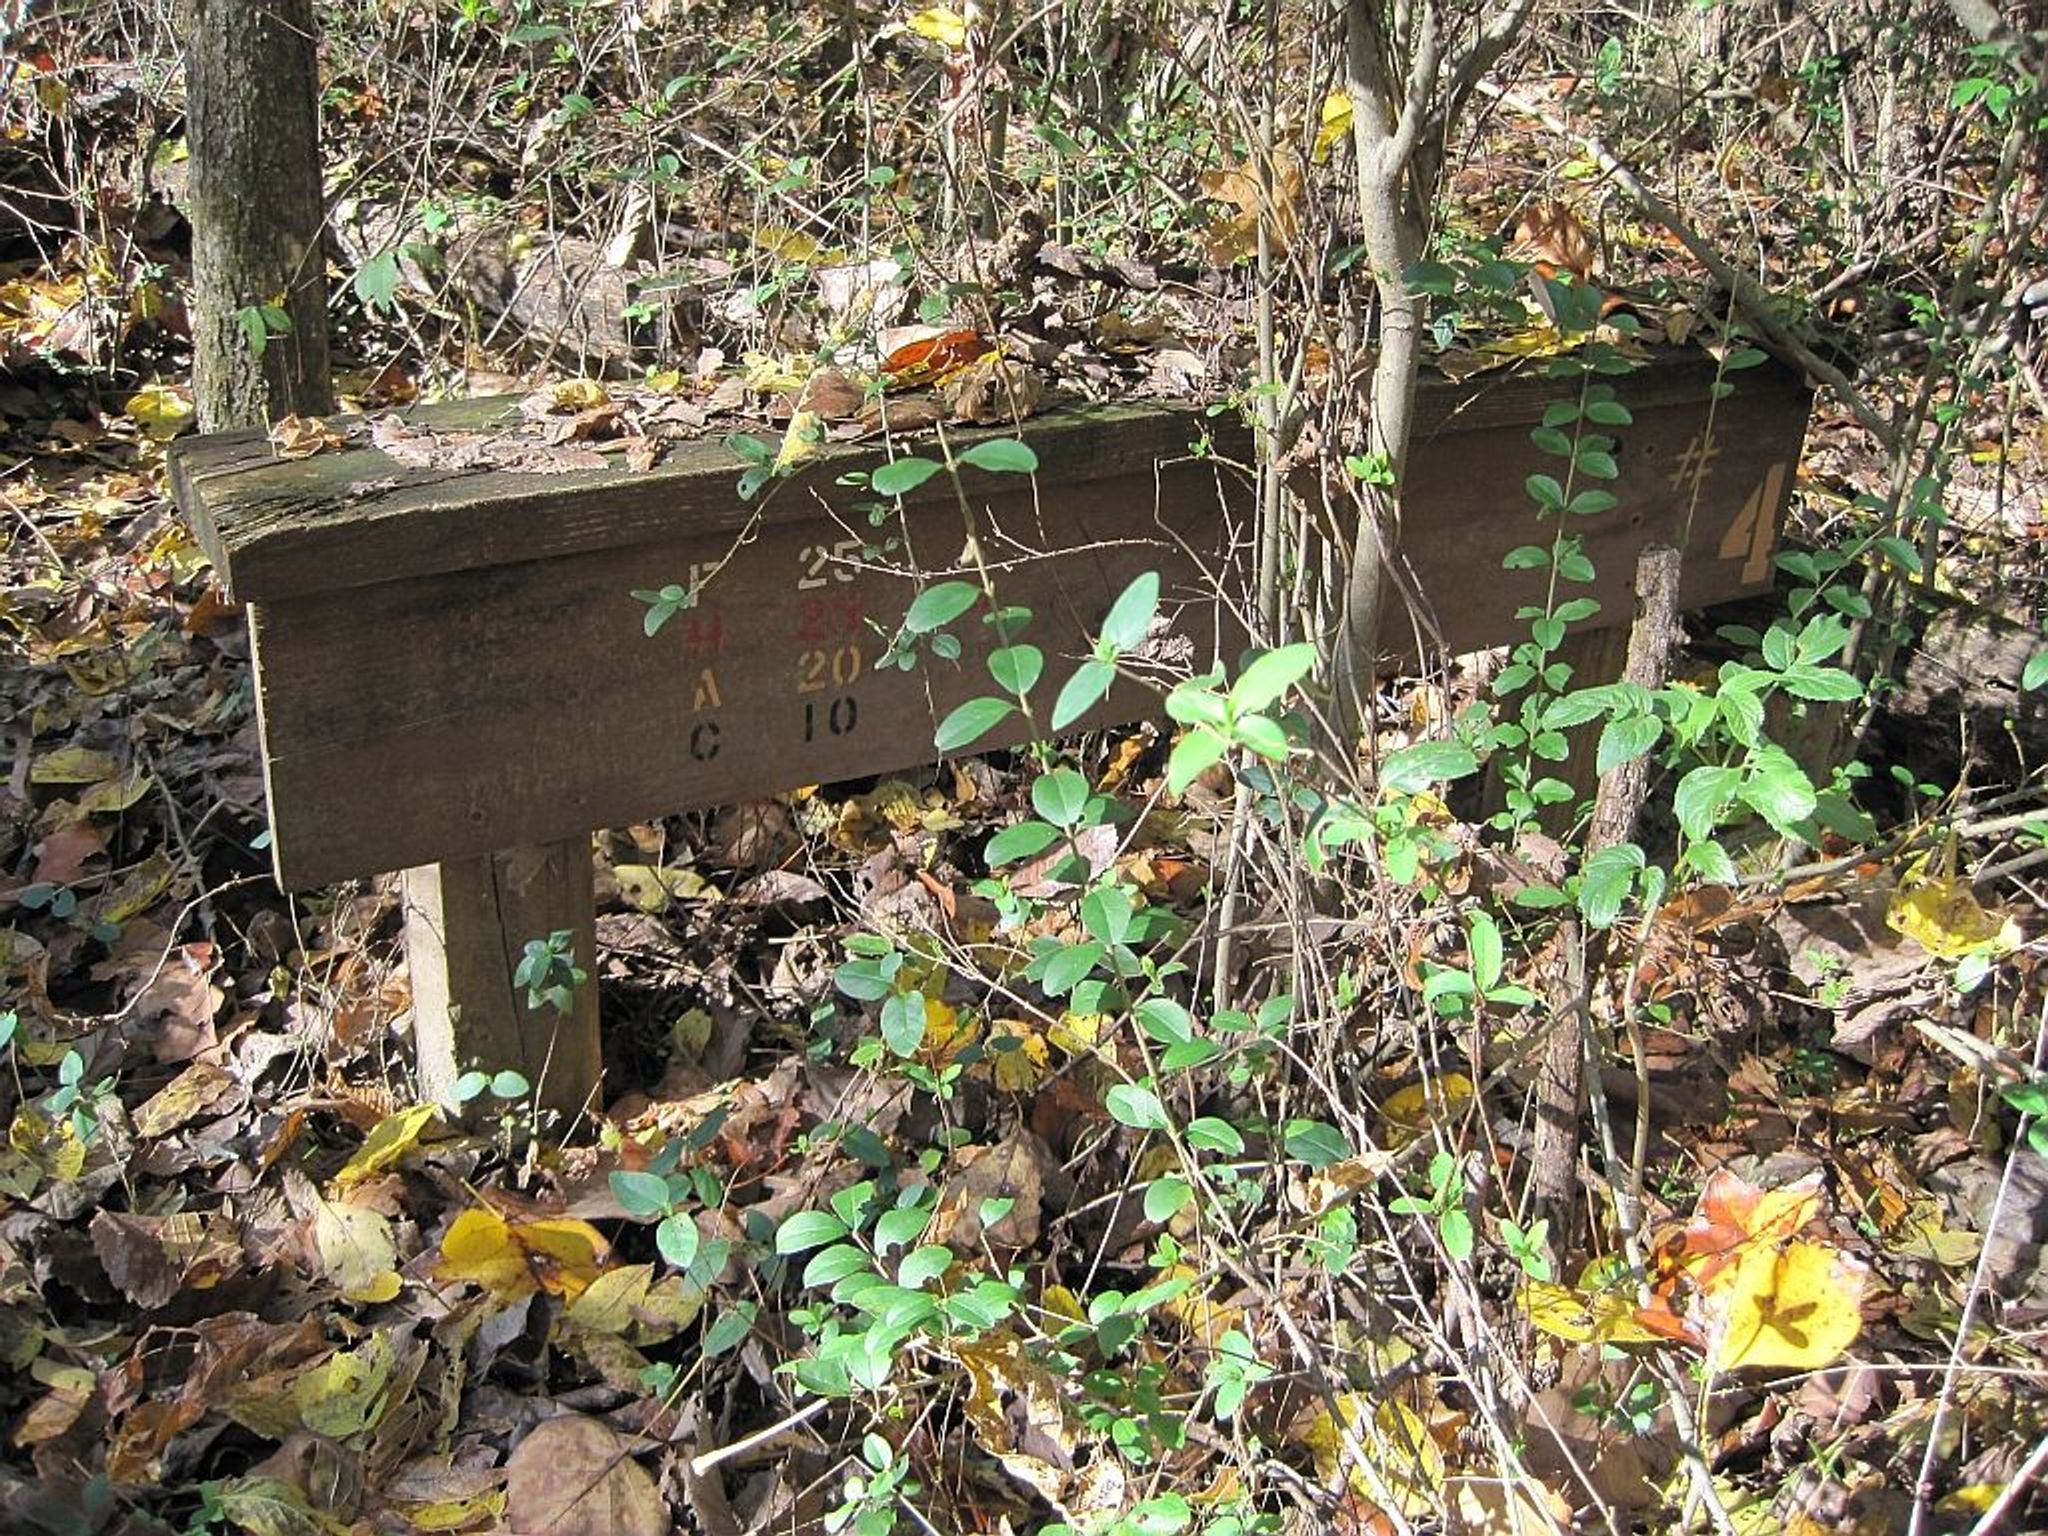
{"x":515,"y":1259}
{"x":1795,"y":1307}
{"x":1406,"y":1464}
{"x":575,"y":1476}
{"x":393,"y":1137}
{"x":1943,"y":916}
{"x":344,"y":1395}
{"x":941,"y":24}
{"x":161,"y":410}
{"x":357,"y":1250}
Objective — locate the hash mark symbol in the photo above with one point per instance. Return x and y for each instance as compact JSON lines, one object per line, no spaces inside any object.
{"x":1694,"y":463}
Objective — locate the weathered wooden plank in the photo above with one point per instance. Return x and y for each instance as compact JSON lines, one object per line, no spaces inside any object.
{"x":467,"y":925}
{"x":450,"y":664}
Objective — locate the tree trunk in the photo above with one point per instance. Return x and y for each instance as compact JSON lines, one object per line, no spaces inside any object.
{"x":253,"y":122}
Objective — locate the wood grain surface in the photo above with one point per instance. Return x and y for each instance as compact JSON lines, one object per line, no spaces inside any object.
{"x":453,"y":663}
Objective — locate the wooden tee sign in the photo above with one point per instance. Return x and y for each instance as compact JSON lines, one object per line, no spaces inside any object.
{"x":453,"y":675}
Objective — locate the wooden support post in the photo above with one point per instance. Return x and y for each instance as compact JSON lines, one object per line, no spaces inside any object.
{"x":467,"y":925}
{"x":1596,"y":657}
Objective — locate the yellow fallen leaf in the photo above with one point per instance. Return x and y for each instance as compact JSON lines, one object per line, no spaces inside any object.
{"x":389,"y":1140}
{"x":1205,"y":1319}
{"x":344,"y":1395}
{"x":578,"y":395}
{"x":1943,"y":916}
{"x":800,"y":441}
{"x":483,"y":1511}
{"x":73,"y":765}
{"x":1406,"y":1464}
{"x":1336,"y":123}
{"x":357,"y":1250}
{"x":770,"y":373}
{"x":1584,"y":1317}
{"x":161,"y":410}
{"x":941,"y":24}
{"x":651,"y":888}
{"x":515,"y":1259}
{"x":785,"y":244}
{"x":1015,"y":1407}
{"x":1410,"y":1111}
{"x":608,"y":1302}
{"x":1795,"y":1308}
{"x":1025,"y":1066}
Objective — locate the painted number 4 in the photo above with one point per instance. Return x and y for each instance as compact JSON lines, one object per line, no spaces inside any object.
{"x":1754,"y":533}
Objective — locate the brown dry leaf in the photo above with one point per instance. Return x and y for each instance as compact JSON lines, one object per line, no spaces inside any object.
{"x":1491,"y":1507}
{"x":1551,"y":236}
{"x":992,"y":391}
{"x":300,"y":437}
{"x":831,"y":394}
{"x":575,"y":1476}
{"x":1013,"y":1169}
{"x":1015,"y":1406}
{"x":1235,"y":237}
{"x":131,"y":1251}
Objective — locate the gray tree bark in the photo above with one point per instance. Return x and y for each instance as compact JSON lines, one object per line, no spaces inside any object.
{"x":253,"y":123}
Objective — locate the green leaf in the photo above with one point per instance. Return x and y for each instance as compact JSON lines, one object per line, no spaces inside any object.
{"x":903,"y":1022}
{"x":1016,"y":668}
{"x":1083,"y":691}
{"x":1167,"y":1197}
{"x":1060,"y":796}
{"x":1165,"y":1020}
{"x":1606,"y":880}
{"x":901,"y":1227}
{"x":1488,"y":953}
{"x":1130,"y":616}
{"x":1192,"y":755}
{"x":1266,"y":679}
{"x":1264,"y":736}
{"x":678,"y":1239}
{"x":1545,"y":492}
{"x":829,"y":1266}
{"x":1214,"y":1135}
{"x":805,"y":1230}
{"x":376,"y":281}
{"x":939,"y":605}
{"x":923,"y":1265}
{"x":2036,"y":671}
{"x":1823,"y":684}
{"x":640,"y":1194}
{"x":1135,"y":1105}
{"x":1778,"y":790}
{"x":1702,"y":796}
{"x":1424,"y":764}
{"x":1002,"y":456}
{"x":1023,"y":841}
{"x":1068,"y":966}
{"x":970,"y":722}
{"x":1624,"y":740}
{"x":1314,"y":1143}
{"x":730,"y":1328}
{"x":1106,"y":913}
{"x":901,"y":475}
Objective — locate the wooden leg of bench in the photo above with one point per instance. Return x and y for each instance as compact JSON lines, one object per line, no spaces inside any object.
{"x":467,"y":925}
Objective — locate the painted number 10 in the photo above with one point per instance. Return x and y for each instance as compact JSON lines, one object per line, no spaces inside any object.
{"x":838,"y":718}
